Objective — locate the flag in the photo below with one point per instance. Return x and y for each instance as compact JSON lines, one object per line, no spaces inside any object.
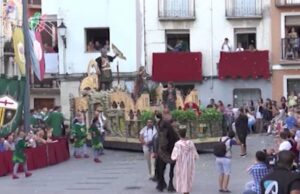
{"x":18,"y":42}
{"x":37,"y":54}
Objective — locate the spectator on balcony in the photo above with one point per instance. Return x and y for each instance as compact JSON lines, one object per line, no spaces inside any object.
{"x":292,"y":100}
{"x":293,"y":41}
{"x":98,"y":46}
{"x":90,"y":47}
{"x":180,"y":46}
{"x":252,"y":48}
{"x":239,"y":47}
{"x":226,"y":47}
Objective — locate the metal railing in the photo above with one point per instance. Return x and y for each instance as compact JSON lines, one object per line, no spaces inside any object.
{"x":290,"y":49}
{"x":287,"y":3}
{"x":244,"y":9}
{"x":176,"y":9}
{"x":35,"y":2}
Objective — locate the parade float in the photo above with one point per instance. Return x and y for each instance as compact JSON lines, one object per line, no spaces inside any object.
{"x":126,"y":114}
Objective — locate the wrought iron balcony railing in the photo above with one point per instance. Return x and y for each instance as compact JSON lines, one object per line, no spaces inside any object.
{"x":287,"y":3}
{"x":243,"y":9}
{"x":176,"y":9}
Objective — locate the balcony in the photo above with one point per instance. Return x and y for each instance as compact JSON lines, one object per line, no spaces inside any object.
{"x":176,"y":9}
{"x":290,"y":51}
{"x":287,"y":3}
{"x":177,"y":66}
{"x":244,"y":9}
{"x":244,"y":65}
{"x":37,"y":4}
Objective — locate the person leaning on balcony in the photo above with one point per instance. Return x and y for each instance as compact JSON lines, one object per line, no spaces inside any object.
{"x":251,"y":48}
{"x":293,"y":40}
{"x":239,"y":47}
{"x":226,"y":47}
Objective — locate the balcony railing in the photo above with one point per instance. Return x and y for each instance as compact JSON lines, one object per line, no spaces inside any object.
{"x":287,"y":3}
{"x":35,"y":3}
{"x":243,"y":9}
{"x":176,"y":9}
{"x":290,"y":50}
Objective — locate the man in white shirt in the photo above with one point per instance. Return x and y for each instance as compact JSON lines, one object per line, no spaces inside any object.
{"x":146,"y":137}
{"x":285,"y":144}
{"x":226,"y":47}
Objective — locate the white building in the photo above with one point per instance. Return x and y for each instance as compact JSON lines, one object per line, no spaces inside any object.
{"x":118,"y":22}
{"x":203,"y":25}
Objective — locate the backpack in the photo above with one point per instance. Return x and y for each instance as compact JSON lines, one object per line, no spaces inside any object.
{"x":220,"y":148}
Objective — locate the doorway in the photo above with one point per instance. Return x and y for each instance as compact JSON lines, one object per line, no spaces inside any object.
{"x":40,"y":103}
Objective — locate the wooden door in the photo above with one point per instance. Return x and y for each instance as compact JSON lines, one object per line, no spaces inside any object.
{"x":40,"y":103}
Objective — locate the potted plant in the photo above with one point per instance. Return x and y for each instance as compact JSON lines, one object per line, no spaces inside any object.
{"x":212,"y":118}
{"x":186,"y":118}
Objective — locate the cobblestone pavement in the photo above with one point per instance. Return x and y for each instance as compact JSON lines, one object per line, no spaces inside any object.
{"x":125,"y":173}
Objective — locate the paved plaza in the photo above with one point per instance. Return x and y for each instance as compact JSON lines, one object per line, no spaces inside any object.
{"x":125,"y":173}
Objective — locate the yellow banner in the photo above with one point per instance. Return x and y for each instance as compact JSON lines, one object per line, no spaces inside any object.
{"x":18,"y":40}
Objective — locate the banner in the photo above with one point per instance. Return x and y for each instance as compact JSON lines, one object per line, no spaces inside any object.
{"x":12,"y":92}
{"x":18,"y":41}
{"x":37,"y":54}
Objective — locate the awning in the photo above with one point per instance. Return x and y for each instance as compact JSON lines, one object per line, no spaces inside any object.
{"x":177,"y":67}
{"x":247,"y":64}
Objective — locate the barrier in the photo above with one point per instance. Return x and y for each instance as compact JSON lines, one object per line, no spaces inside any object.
{"x":39,"y":157}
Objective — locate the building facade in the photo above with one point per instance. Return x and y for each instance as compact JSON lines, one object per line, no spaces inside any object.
{"x":90,"y":25}
{"x":285,"y":47}
{"x":202,"y":26}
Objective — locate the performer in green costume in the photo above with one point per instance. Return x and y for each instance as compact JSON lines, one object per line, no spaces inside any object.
{"x":79,"y":133}
{"x":96,"y":134}
{"x":55,"y":120}
{"x":19,"y":156}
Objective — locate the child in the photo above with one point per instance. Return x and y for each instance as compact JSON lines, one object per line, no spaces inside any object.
{"x":79,"y":133}
{"x":185,"y":154}
{"x":96,"y":144}
{"x":19,"y":155}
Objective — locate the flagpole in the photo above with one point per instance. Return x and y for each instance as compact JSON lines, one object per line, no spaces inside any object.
{"x":27,"y":65}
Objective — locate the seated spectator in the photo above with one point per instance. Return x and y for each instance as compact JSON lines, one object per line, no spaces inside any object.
{"x":2,"y":148}
{"x":284,"y":143}
{"x":280,"y":178}
{"x":9,"y":143}
{"x":290,"y":121}
{"x":257,"y":171}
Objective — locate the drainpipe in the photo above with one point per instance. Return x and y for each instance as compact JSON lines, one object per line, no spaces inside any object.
{"x":144,"y":25}
{"x":211,"y":46}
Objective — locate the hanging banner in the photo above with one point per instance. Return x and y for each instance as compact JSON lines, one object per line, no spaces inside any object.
{"x":18,"y":41}
{"x":37,"y":55}
{"x":12,"y":92}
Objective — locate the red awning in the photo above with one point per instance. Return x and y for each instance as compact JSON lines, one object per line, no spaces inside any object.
{"x":177,"y":66}
{"x":247,"y":64}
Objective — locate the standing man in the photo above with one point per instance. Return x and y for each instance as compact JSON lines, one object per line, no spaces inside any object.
{"x":226,"y":47}
{"x":146,"y":137}
{"x":55,"y":120}
{"x":105,"y":74}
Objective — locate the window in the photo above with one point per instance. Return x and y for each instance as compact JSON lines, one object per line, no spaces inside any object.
{"x":176,"y":9}
{"x":290,"y":44}
{"x":245,"y":36}
{"x":49,"y":34}
{"x":178,"y":41}
{"x":242,"y":97}
{"x":293,"y":85}
{"x":243,"y":8}
{"x":96,"y":38}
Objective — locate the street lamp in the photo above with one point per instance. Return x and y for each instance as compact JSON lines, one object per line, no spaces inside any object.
{"x":62,"y":30}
